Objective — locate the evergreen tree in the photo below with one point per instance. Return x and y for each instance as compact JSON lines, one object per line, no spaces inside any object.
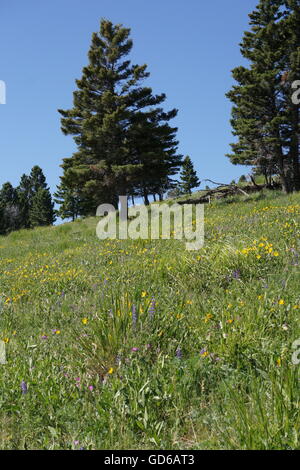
{"x":28,"y":205}
{"x":189,"y":179}
{"x":154,"y":149}
{"x":37,"y":179}
{"x":42,"y":208}
{"x":110,"y":120}
{"x":9,"y":209}
{"x":263,"y":116}
{"x":69,"y":201}
{"x":2,"y":219}
{"x":24,"y":195}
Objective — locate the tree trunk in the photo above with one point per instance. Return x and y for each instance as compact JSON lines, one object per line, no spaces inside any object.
{"x":146,"y":200}
{"x":283,"y":175}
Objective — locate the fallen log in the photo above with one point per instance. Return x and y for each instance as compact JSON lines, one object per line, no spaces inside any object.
{"x":225,"y":190}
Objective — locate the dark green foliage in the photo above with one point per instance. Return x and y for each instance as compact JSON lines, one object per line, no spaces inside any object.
{"x":41,"y":207}
{"x":9,"y":209}
{"x":264,"y":118}
{"x":24,"y":192}
{"x":41,"y":210}
{"x":189,"y":179}
{"x":125,"y":145}
{"x":28,"y":205}
{"x":69,"y":201}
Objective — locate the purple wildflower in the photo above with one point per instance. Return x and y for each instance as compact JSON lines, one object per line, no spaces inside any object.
{"x":134,"y":316}
{"x":236,"y":274}
{"x":44,"y":337}
{"x":24,"y":387}
{"x":134,"y":349}
{"x":179,"y":353}
{"x":152,"y":308}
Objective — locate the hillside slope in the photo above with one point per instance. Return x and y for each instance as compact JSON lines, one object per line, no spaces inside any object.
{"x":142,"y":344}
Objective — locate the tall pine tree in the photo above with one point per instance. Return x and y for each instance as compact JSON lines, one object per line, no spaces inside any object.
{"x":110,"y":120}
{"x":69,"y":202}
{"x":189,"y":179}
{"x":24,"y":193}
{"x":263,"y":115}
{"x":42,"y":209}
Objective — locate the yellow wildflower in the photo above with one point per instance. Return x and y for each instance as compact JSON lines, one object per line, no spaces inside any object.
{"x":208,"y":317}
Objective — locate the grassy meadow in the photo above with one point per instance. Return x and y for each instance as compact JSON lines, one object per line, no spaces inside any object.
{"x":141,"y":344}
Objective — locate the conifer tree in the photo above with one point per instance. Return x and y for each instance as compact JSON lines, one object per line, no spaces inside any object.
{"x":28,"y":205}
{"x":37,"y":179}
{"x":263,"y":116}
{"x":189,"y":179}
{"x":109,"y":102}
{"x":9,"y":209}
{"x":24,"y":195}
{"x":154,"y":148}
{"x":69,"y":201}
{"x":42,"y":208}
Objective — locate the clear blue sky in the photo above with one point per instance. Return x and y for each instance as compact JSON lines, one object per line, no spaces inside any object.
{"x":190,"y":47}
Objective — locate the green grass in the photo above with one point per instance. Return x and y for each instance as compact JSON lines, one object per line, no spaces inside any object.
{"x":208,"y":367}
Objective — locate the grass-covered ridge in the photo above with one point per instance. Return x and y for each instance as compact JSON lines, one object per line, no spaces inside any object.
{"x":142,"y":344}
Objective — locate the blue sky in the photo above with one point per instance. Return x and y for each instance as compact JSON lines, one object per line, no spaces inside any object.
{"x":190,"y":47}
